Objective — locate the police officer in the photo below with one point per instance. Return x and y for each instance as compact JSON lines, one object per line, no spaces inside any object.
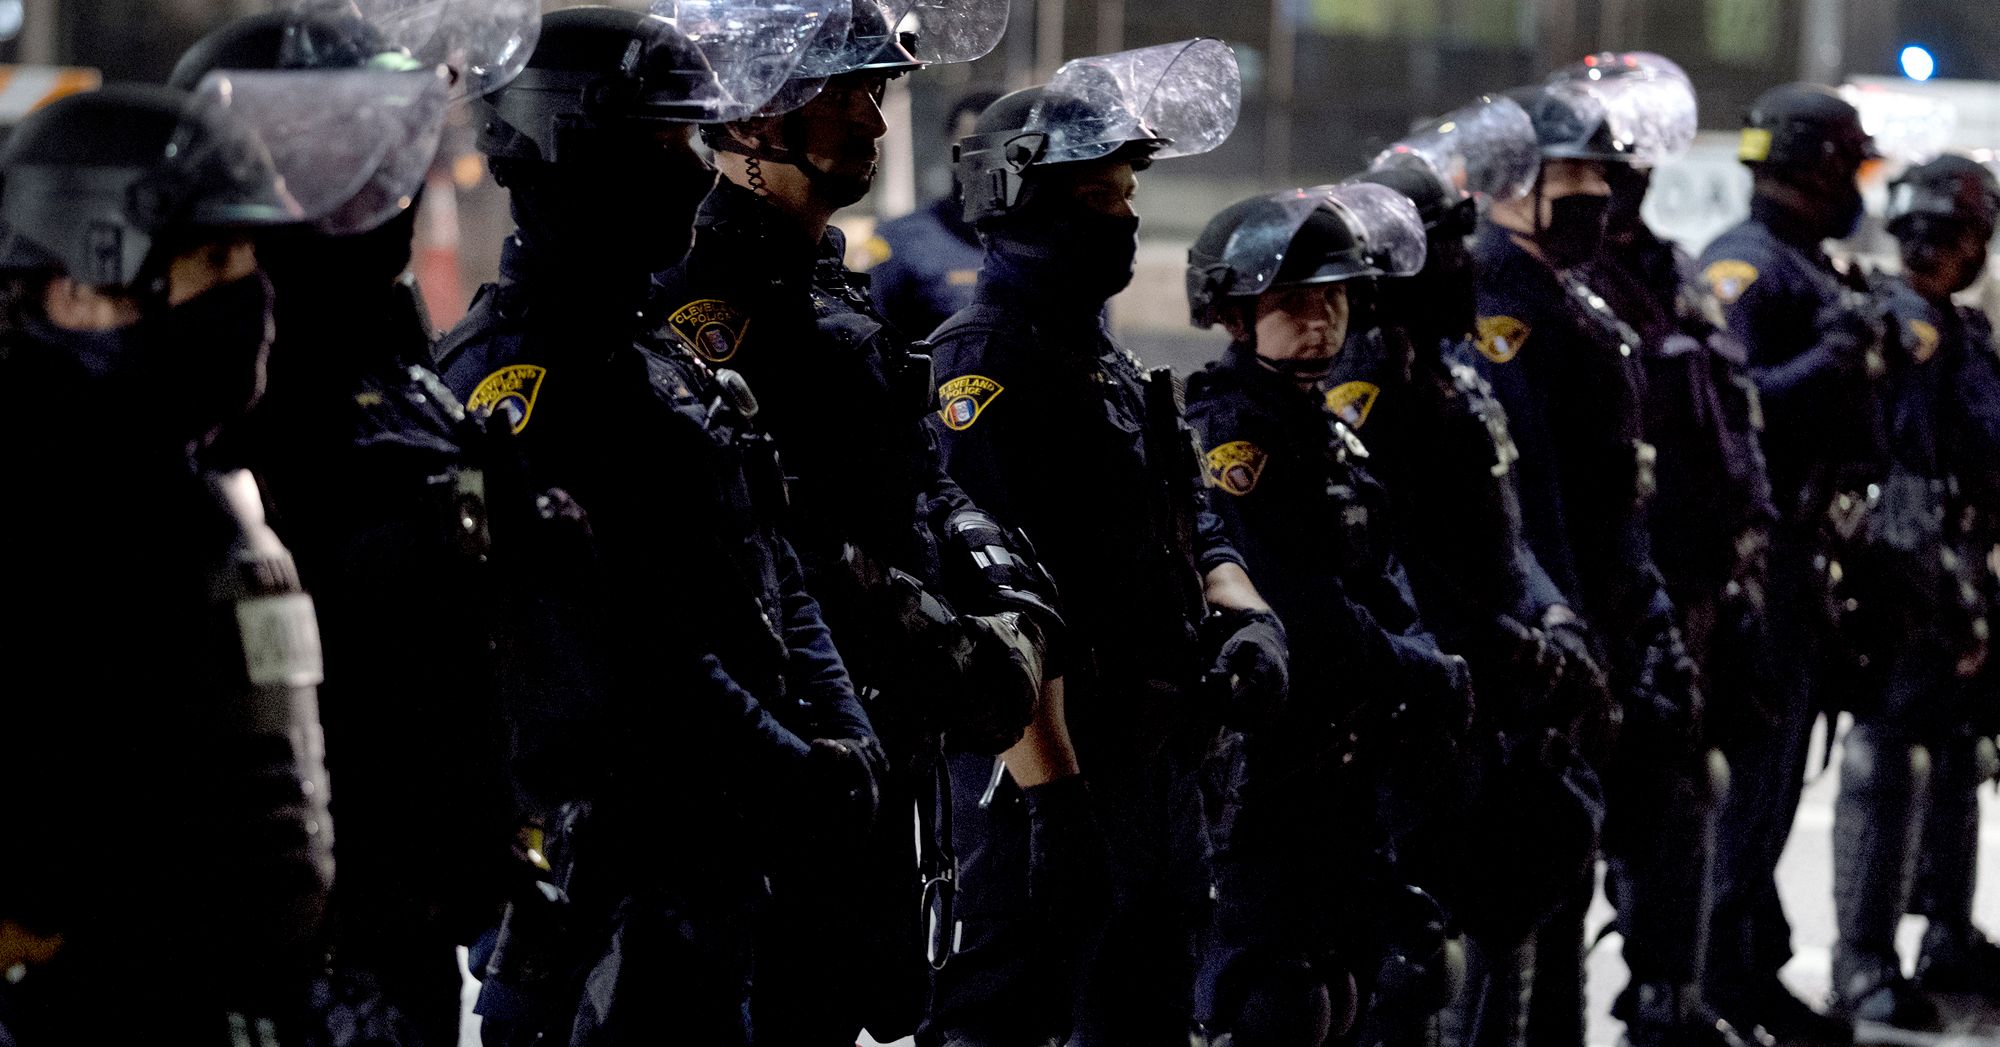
{"x":359,"y":443}
{"x":1440,"y":442}
{"x":938,"y":609}
{"x":163,"y":737}
{"x":1304,"y":862}
{"x":1563,"y":364}
{"x":702,"y":733}
{"x":1921,"y":571}
{"x":1711,"y":519}
{"x":1052,"y":425}
{"x":929,"y":258}
{"x":1809,"y":342}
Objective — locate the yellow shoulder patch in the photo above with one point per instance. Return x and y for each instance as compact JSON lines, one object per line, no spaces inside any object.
{"x":877,"y":251}
{"x":1352,"y":401}
{"x":1729,"y":278}
{"x":1501,"y":338}
{"x":517,"y":384}
{"x":961,"y":277}
{"x":1924,"y":339}
{"x":1236,"y":466}
{"x":965,"y":398}
{"x":713,"y":328}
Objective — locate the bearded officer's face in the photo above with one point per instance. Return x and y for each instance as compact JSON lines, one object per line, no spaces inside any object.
{"x":842,"y":128}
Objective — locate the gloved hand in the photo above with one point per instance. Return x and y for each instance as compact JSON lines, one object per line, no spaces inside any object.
{"x":1853,"y":330}
{"x":1068,"y":882}
{"x":1663,"y":712}
{"x":1003,"y":681}
{"x":1250,"y":665}
{"x":1585,"y":694}
{"x":843,"y":782}
{"x":1530,"y":659}
{"x":1456,"y":704}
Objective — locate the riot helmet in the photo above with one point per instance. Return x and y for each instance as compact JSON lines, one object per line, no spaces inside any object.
{"x":372,"y":94}
{"x":1152,"y":103}
{"x":1571,"y":123}
{"x":1648,"y":101}
{"x":1950,"y":188}
{"x":886,"y":37}
{"x":97,"y":184}
{"x":1944,"y":214}
{"x":1298,"y":238}
{"x":1799,"y":127}
{"x":483,"y":44}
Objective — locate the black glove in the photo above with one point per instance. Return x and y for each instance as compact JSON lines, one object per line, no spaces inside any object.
{"x":1585,"y":695}
{"x":1531,"y":660}
{"x":1068,"y":882}
{"x":1249,"y":667}
{"x":1003,"y":681}
{"x":1852,"y":329}
{"x":1663,"y":711}
{"x":843,"y":780}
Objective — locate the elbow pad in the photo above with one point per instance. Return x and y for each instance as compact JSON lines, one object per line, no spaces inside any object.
{"x":996,"y":569}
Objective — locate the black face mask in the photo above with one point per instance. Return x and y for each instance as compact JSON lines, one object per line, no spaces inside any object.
{"x":1575,"y":230}
{"x":179,"y":372}
{"x":1844,"y":208}
{"x":616,"y":204}
{"x":1628,"y":194}
{"x":1085,"y":254}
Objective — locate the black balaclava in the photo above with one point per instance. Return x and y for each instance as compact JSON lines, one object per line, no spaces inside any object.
{"x":1076,"y":255}
{"x":619,"y":207}
{"x":1436,"y":305}
{"x":181,"y":372}
{"x":1629,"y":182}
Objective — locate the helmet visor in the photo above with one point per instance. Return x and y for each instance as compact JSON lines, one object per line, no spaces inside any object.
{"x":1485,"y":149}
{"x":484,"y":43}
{"x":1182,"y":98}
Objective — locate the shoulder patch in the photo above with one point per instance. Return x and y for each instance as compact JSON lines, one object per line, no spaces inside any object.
{"x":962,"y":277}
{"x":1924,"y":339}
{"x":1501,"y":338}
{"x":1729,"y":278}
{"x":1236,"y":466}
{"x":1352,"y":401}
{"x":965,"y":398}
{"x":713,"y":328}
{"x":517,"y":384}
{"x":877,"y":251}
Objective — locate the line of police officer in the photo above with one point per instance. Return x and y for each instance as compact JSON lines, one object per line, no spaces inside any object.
{"x":651,"y":604}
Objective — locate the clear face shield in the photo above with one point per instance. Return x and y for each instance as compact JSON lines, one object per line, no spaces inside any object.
{"x":1487,"y":149}
{"x":485,"y":43}
{"x":892,"y":36}
{"x":1392,"y":231}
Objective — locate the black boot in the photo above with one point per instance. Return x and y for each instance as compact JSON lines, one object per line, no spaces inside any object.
{"x":1658,"y":1015}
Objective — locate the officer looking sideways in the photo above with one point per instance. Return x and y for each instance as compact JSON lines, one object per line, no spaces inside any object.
{"x":1048,"y":422}
{"x":1440,"y":442}
{"x":163,"y":675}
{"x":1809,"y":339}
{"x":939,"y":610}
{"x":1563,"y":364}
{"x":673,"y":610}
